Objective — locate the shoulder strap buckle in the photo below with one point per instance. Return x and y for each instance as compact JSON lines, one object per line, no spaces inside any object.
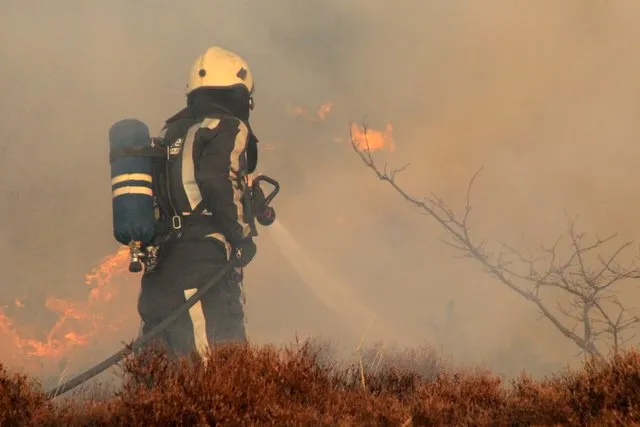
{"x":176,"y":222}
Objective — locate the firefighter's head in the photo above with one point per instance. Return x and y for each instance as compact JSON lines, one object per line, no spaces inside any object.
{"x":222,"y":77}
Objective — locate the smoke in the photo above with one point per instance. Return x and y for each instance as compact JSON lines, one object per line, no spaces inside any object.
{"x":542,"y":94}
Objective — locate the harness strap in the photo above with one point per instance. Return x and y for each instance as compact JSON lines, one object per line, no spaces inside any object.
{"x":142,"y":151}
{"x":189,"y":218}
{"x":198,"y":209}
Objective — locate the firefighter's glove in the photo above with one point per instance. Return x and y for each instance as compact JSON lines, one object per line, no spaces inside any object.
{"x":243,"y":253}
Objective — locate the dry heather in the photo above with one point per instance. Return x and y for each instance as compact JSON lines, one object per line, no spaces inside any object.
{"x":300,"y":385}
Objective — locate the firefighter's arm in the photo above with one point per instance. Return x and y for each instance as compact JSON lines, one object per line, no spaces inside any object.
{"x":219,"y":166}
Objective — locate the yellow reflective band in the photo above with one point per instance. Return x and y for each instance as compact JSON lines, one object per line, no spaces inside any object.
{"x":132,"y":190}
{"x":131,"y":177}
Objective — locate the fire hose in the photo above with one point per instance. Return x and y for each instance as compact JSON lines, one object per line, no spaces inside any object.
{"x":142,"y":340}
{"x":265,"y":217}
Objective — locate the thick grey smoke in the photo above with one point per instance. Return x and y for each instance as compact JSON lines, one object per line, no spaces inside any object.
{"x":542,"y":94}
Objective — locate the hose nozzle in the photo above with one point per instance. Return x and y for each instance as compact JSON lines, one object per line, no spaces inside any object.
{"x":264,"y":214}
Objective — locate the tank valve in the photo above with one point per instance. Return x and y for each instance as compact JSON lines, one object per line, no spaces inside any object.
{"x":135,"y":256}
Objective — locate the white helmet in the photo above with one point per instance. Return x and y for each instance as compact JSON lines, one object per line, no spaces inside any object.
{"x":218,"y":68}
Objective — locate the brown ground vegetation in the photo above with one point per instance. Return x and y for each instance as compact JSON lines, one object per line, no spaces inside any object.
{"x":302,"y":385}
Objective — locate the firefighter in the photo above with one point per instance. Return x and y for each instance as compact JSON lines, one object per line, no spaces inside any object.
{"x":204,"y":209}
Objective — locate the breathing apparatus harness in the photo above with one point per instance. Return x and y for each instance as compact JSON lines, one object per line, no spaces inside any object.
{"x":169,"y":221}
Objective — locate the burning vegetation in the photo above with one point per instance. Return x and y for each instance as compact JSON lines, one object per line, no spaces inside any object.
{"x":78,"y":322}
{"x":318,"y":114}
{"x":366,"y":139}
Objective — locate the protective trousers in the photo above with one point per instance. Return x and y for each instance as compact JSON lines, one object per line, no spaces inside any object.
{"x":220,"y":315}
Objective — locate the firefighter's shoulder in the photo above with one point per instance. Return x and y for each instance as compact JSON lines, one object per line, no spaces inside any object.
{"x":225,"y":125}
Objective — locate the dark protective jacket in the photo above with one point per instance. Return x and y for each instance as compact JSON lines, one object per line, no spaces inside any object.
{"x":203,"y":187}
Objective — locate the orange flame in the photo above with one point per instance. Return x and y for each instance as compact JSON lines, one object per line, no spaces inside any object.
{"x":321,"y":113}
{"x":298,"y":111}
{"x":324,"y":110}
{"x":78,"y":322}
{"x":372,"y":139}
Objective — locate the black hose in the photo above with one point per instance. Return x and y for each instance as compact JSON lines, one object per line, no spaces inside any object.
{"x":141,"y":341}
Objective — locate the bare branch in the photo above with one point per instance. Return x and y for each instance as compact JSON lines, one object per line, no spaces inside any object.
{"x":545,"y":268}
